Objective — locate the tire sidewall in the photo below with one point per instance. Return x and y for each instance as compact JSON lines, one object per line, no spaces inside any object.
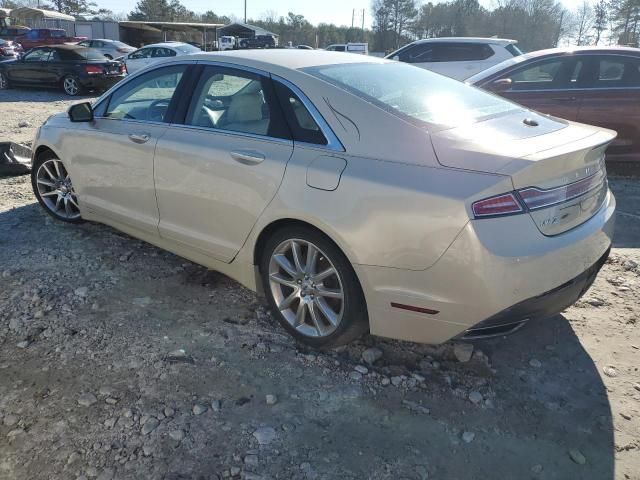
{"x":354,"y":319}
{"x":40,"y":159}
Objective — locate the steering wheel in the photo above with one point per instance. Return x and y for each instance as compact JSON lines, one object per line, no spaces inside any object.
{"x":157,"y":110}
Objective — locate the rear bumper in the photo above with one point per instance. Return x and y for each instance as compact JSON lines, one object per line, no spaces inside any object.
{"x":497,"y":270}
{"x":542,"y":306}
{"x":101,"y":81}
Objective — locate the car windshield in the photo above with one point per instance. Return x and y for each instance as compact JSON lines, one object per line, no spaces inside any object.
{"x":478,"y":77}
{"x":186,"y":48}
{"x":420,"y":96}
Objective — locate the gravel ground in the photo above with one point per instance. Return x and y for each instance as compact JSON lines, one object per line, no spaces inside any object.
{"x":121,"y":361}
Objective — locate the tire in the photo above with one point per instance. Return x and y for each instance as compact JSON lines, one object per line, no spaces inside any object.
{"x":57,"y":197}
{"x":4,"y":81}
{"x":316,"y":296}
{"x":71,"y":85}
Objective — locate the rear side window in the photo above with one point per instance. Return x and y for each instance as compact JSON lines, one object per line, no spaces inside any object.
{"x":617,"y":71}
{"x":162,"y":52}
{"x":302,"y":124}
{"x":58,"y":33}
{"x":461,"y":52}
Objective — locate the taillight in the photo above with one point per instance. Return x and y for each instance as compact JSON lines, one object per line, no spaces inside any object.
{"x":93,"y":69}
{"x":505,"y":204}
{"x":535,"y":198}
{"x":123,"y":68}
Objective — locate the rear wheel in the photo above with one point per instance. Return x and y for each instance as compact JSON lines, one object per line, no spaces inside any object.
{"x":71,"y":85}
{"x":4,"y":81}
{"x":53,"y":188}
{"x":312,"y":288}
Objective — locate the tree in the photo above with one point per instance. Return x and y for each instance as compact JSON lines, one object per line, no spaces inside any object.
{"x":76,"y":8}
{"x":625,"y":20}
{"x":599,"y":19}
{"x":583,"y":19}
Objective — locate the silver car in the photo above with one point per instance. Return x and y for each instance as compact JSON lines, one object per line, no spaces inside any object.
{"x":109,"y":48}
{"x":356,"y":193}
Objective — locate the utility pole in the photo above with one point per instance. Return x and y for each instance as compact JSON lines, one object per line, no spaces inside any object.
{"x":363,"y":35}
{"x":245,"y":11}
{"x":353,"y":16}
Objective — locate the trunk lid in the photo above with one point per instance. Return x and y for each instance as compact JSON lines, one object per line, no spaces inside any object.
{"x":557,"y":167}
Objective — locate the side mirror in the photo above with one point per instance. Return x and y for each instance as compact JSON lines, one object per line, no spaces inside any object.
{"x":81,"y":112}
{"x":500,"y":85}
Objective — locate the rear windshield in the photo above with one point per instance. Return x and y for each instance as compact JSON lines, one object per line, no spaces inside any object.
{"x":186,"y":48}
{"x":416,"y":94}
{"x":120,"y":44}
{"x":81,"y":54}
{"x":513,"y":49}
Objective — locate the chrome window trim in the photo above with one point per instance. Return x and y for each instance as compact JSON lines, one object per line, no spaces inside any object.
{"x":232,"y":133}
{"x":135,"y":75}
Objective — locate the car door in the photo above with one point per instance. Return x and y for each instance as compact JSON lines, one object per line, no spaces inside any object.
{"x":217,"y":170}
{"x":611,"y":99}
{"x":112,"y":157}
{"x":28,"y":70}
{"x":138,"y":59}
{"x":548,"y":85}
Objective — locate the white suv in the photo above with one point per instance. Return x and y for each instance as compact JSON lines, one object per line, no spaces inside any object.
{"x":457,"y":57}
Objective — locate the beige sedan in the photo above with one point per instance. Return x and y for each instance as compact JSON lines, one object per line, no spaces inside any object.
{"x":358,"y":194}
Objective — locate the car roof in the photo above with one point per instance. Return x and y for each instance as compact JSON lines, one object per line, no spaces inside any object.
{"x":290,"y":58}
{"x":491,"y":40}
{"x":165,"y":44}
{"x":549,"y":52}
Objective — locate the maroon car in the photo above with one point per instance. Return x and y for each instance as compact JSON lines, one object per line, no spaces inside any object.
{"x":40,"y":37}
{"x":594,"y":85}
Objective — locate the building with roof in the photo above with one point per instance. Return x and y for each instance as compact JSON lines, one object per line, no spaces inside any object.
{"x":243,"y":30}
{"x":144,"y":33}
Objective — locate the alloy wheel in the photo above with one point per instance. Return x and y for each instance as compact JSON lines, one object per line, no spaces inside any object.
{"x":71,"y":86}
{"x":3,"y":82}
{"x":56,"y":190}
{"x":306,"y":287}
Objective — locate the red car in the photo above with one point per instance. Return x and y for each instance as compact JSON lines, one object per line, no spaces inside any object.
{"x":595,"y":85}
{"x":39,"y":37}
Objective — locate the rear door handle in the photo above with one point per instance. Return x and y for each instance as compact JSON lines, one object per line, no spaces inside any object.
{"x":248,"y":157}
{"x":139,"y":137}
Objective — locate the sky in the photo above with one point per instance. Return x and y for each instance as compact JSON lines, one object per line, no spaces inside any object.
{"x":316,"y":11}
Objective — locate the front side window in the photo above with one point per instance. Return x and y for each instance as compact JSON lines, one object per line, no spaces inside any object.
{"x":236,"y":101}
{"x":420,"y":53}
{"x":33,"y":34}
{"x":416,"y":94}
{"x":147,"y":97}
{"x":461,"y":52}
{"x":58,"y":33}
{"x":37,"y":55}
{"x":556,"y":73}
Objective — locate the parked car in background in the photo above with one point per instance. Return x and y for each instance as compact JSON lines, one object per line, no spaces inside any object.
{"x":9,"y":50}
{"x":13,"y":31}
{"x":354,"y":47}
{"x":304,"y":47}
{"x":437,"y":210}
{"x":227,"y":42}
{"x":457,"y":57}
{"x":259,"y":41}
{"x":156,"y":52}
{"x":39,"y":37}
{"x":70,"y":67}
{"x":594,"y":85}
{"x":109,"y":48}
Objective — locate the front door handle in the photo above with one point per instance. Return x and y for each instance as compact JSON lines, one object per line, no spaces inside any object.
{"x":139,"y":137}
{"x":248,"y":157}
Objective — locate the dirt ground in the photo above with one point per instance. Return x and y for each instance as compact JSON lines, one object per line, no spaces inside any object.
{"x":122,"y":361}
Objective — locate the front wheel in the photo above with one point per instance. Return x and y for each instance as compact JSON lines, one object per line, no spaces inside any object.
{"x":312,"y":288}
{"x":71,"y":85}
{"x":53,"y":188}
